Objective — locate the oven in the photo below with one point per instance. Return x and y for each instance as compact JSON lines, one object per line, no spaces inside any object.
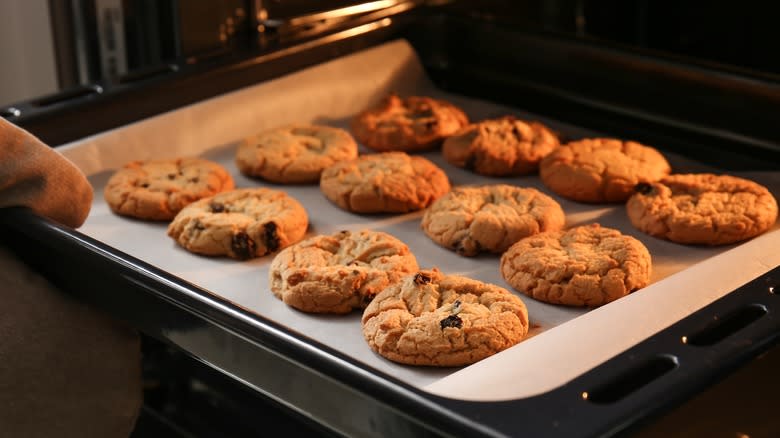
{"x":671,"y":76}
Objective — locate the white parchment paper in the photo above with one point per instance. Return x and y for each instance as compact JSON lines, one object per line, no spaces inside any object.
{"x":563,"y":343}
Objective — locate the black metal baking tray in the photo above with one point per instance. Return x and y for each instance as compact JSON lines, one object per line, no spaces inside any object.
{"x":345,"y":396}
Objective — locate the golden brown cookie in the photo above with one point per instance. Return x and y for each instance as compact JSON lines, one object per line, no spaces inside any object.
{"x":587,"y":265}
{"x":294,"y":154}
{"x":412,"y":124}
{"x":391,"y":182}
{"x":490,"y":218}
{"x":601,"y":169}
{"x":702,"y":209}
{"x":159,"y":189}
{"x":500,"y":147}
{"x":339,"y":272}
{"x":433,"y":319}
{"x":240,"y":224}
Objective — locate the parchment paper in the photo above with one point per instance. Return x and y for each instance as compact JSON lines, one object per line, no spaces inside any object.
{"x":564,"y":342}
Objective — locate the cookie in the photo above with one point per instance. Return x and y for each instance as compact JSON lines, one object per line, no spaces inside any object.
{"x":703,"y":209}
{"x":294,"y":154}
{"x":340,"y":272}
{"x":412,"y":124}
{"x":390,"y":182}
{"x":500,"y":147}
{"x":587,"y":265}
{"x":490,"y":218}
{"x":433,"y":319}
{"x":240,"y":224}
{"x":159,"y":189}
{"x":601,"y":169}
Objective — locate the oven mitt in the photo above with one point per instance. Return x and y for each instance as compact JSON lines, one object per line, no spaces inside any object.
{"x":66,"y":370}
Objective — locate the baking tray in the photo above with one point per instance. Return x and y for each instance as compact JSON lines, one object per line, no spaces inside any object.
{"x":565,"y":343}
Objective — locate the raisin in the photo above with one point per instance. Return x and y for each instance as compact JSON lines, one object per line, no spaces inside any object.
{"x":460,"y":248}
{"x":643,"y":188}
{"x":243,"y":245}
{"x":422,"y":278}
{"x":295,"y":278}
{"x":422,"y":113}
{"x":471,"y":162}
{"x":456,"y":306}
{"x":366,"y":299}
{"x":145,"y":185}
{"x":270,"y":236}
{"x":430,"y":124}
{"x":518,"y":135}
{"x":451,"y":321}
{"x":171,"y":176}
{"x":216,"y":207}
{"x":193,"y":180}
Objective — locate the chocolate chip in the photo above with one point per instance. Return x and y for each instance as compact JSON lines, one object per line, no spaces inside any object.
{"x":216,"y":207}
{"x":193,"y":180}
{"x":451,"y":321}
{"x":171,"y":175}
{"x":145,"y":185}
{"x":270,"y":236}
{"x":243,"y":245}
{"x":422,"y":278}
{"x":430,"y":124}
{"x":643,"y":188}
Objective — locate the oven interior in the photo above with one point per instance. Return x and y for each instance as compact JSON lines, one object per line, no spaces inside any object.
{"x":628,"y":70}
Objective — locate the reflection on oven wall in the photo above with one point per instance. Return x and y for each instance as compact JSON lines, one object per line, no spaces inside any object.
{"x":26,"y":50}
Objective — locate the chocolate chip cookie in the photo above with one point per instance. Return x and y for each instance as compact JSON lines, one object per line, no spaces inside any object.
{"x":340,"y":272}
{"x":433,"y":319}
{"x":601,"y":169}
{"x":490,"y":218}
{"x":294,"y":154}
{"x":159,"y":189}
{"x":390,"y":182}
{"x":411,"y":124}
{"x":703,"y":209}
{"x":240,"y":224}
{"x":500,"y":147}
{"x":587,"y":265}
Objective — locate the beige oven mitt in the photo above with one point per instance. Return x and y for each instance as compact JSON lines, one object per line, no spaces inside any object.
{"x":66,"y":370}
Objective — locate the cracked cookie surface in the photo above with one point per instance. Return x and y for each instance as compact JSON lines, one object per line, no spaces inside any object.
{"x":587,"y":265}
{"x":294,"y":154}
{"x":490,"y":218}
{"x":500,"y":147}
{"x":340,"y":272}
{"x":410,"y":124}
{"x":601,"y":169}
{"x":704,"y":209}
{"x":433,"y":319}
{"x":390,"y":182}
{"x":159,"y":189}
{"x":241,"y":224}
